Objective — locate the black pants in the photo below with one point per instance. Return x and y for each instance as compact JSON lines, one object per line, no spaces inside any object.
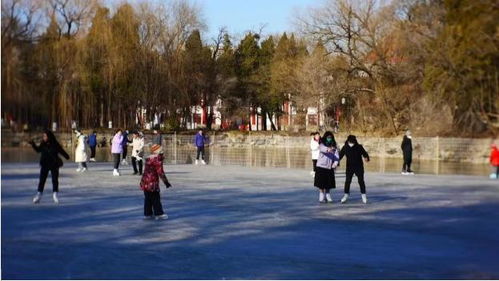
{"x":44,"y":172}
{"x":152,"y":203}
{"x":134,"y":164}
{"x":360,"y":177}
{"x":407,"y":162}
{"x":200,"y":152}
{"x":82,"y":165}
{"x":314,"y":164}
{"x":125,"y":152}
{"x":116,"y":160}
{"x":92,"y":152}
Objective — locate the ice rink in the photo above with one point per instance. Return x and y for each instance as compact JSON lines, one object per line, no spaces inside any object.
{"x":248,"y":223}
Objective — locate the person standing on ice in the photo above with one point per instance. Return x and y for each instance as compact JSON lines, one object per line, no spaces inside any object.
{"x":149,"y":183}
{"x":124,"y":145}
{"x":314,"y":149}
{"x":355,"y":166}
{"x":326,"y":163}
{"x":156,"y":138}
{"x":81,"y":156}
{"x":200,"y":141}
{"x":92,"y":143}
{"x":494,"y":161}
{"x":116,"y":150}
{"x":49,"y":149}
{"x":137,"y":152}
{"x":407,"y":151}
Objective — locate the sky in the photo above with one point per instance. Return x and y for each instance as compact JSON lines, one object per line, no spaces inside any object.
{"x":240,"y":16}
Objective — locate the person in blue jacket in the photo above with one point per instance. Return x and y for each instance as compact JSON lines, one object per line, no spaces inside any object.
{"x":92,"y":142}
{"x":124,"y":144}
{"x":200,"y":141}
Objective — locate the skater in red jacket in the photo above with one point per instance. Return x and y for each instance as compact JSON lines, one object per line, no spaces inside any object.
{"x":494,"y":161}
{"x":149,"y":183}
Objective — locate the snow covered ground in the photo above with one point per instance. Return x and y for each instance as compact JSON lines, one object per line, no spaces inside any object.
{"x":238,"y":222}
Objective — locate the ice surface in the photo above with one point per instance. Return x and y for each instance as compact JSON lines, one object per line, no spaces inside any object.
{"x":248,"y":223}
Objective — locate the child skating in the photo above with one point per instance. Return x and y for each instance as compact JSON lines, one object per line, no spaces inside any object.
{"x":149,"y":183}
{"x":327,"y":161}
{"x":355,"y":166}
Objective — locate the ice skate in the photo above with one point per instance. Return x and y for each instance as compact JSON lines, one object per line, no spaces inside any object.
{"x":78,"y":170}
{"x":116,"y":173}
{"x":92,"y":159}
{"x":410,"y":172}
{"x":364,"y":198}
{"x":202,"y":162}
{"x":312,"y":173}
{"x":37,"y":198}
{"x":328,"y":198}
{"x":493,"y":176}
{"x":197,"y":162}
{"x":162,"y":217}
{"x":404,"y":173}
{"x":54,"y":196}
{"x":84,"y":169}
{"x":345,"y":198}
{"x":321,"y":197}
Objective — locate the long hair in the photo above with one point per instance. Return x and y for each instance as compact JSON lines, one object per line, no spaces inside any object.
{"x":327,"y":134}
{"x":52,"y":139}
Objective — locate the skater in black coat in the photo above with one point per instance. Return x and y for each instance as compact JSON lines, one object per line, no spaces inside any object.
{"x":407,"y":151}
{"x":355,"y":165}
{"x":49,"y":162}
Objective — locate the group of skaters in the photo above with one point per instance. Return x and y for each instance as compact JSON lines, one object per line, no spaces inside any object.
{"x":50,"y":149}
{"x":326,"y":157}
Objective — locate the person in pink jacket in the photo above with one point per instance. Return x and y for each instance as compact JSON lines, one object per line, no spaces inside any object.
{"x":116,"y":150}
{"x":149,"y":183}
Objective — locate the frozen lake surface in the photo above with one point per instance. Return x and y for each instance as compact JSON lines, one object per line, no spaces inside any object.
{"x":230,"y":222}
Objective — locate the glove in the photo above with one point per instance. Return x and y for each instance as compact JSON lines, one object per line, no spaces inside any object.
{"x":168,"y":185}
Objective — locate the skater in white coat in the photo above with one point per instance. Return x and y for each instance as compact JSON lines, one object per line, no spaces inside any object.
{"x":314,"y":149}
{"x":81,"y":156}
{"x":137,"y":152}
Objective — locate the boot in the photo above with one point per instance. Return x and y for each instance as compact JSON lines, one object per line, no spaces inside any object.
{"x":328,"y":197}
{"x":54,"y":196}
{"x":162,"y":217}
{"x":364,"y":198}
{"x":345,"y":198}
{"x":321,"y":197}
{"x":37,"y":198}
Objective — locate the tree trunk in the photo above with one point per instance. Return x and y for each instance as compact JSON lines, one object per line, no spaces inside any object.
{"x":272,"y":123}
{"x":264,"y":120}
